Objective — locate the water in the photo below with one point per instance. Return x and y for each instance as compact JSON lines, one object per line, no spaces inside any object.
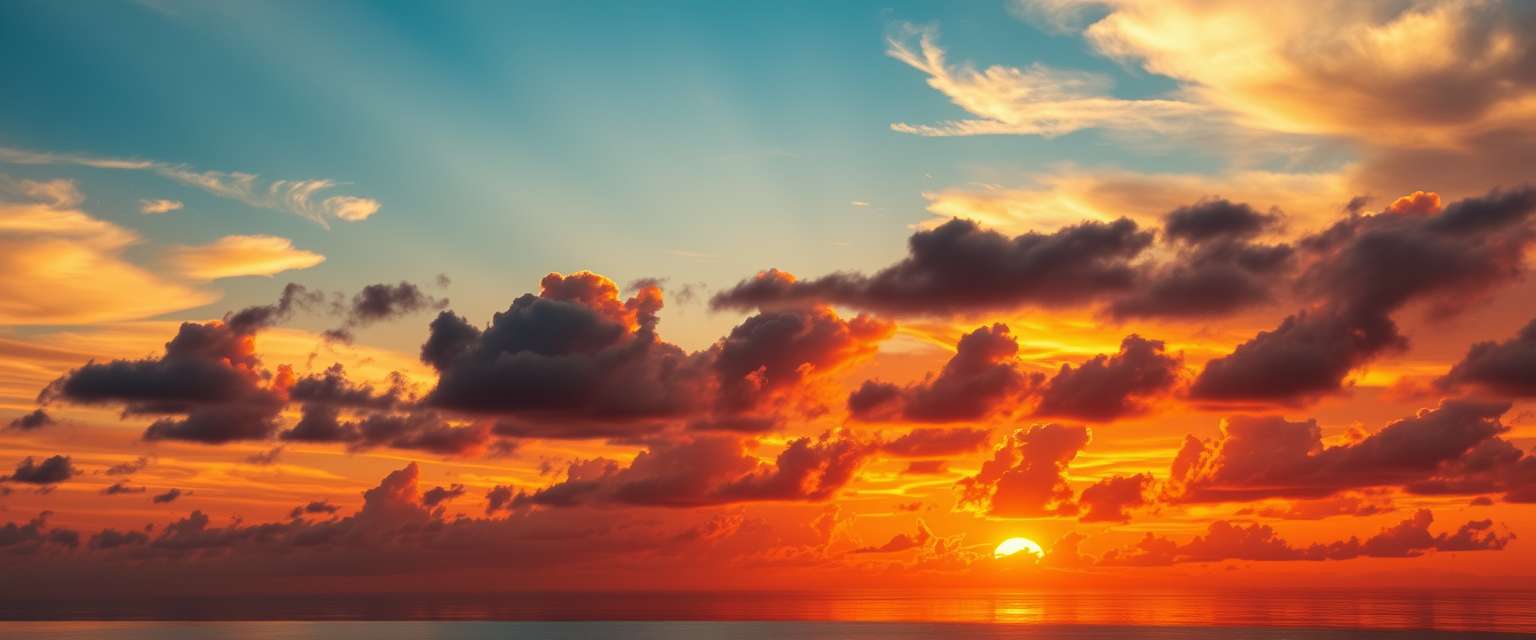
{"x":1271,"y":614}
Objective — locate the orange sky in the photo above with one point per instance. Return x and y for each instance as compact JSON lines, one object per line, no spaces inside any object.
{"x":1317,"y":357}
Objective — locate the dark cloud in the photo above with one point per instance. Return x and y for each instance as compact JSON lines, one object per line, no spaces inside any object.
{"x":960,"y":267}
{"x":1108,"y":387}
{"x":441,"y":495}
{"x":923,"y":443}
{"x":577,"y":361}
{"x":1211,"y":278}
{"x":31,"y":421}
{"x":1111,"y":499}
{"x":167,"y":497}
{"x":108,"y":539}
{"x":50,"y":471}
{"x":1365,"y":503}
{"x":707,"y":470}
{"x":1225,"y":540}
{"x":926,"y":467}
{"x":382,"y":302}
{"x":574,"y":352}
{"x":984,"y":376}
{"x":1026,"y":475}
{"x":498,"y":498}
{"x":1506,"y":368}
{"x":316,"y":507}
{"x":420,"y":430}
{"x":1217,"y":219}
{"x":1363,"y":269}
{"x":128,"y":468}
{"x":1308,"y":355}
{"x":902,"y":541}
{"x":34,"y":536}
{"x":265,"y":458}
{"x":209,"y":373}
{"x":1450,"y":449}
{"x":333,"y":388}
{"x":777,"y":352}
{"x":122,"y":487}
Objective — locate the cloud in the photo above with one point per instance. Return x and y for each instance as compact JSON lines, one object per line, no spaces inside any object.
{"x":167,"y":497}
{"x":1507,"y":368}
{"x":33,"y":536}
{"x":902,"y":541}
{"x":128,"y":468}
{"x":1225,"y":540}
{"x":1111,"y":499}
{"x":383,"y":302}
{"x":1112,"y":386}
{"x":122,"y":487}
{"x":235,"y":256}
{"x":317,"y":507}
{"x":1067,"y":195}
{"x":922,"y":443}
{"x":579,"y":361}
{"x":50,"y":471}
{"x":155,"y":207}
{"x":1026,"y":475}
{"x":304,"y":198}
{"x":1360,"y":271}
{"x":983,"y":377}
{"x":1036,"y":100}
{"x":708,"y":470}
{"x":64,"y":266}
{"x":1365,"y":503}
{"x":1453,"y":448}
{"x":1407,"y":74}
{"x":959,"y":267}
{"x":31,"y":421}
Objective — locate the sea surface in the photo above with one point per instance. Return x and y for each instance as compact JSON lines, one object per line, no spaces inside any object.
{"x":1260,"y":615}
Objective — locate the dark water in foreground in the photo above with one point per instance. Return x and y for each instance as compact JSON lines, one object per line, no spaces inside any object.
{"x":1265,"y":615}
{"x":678,"y":631}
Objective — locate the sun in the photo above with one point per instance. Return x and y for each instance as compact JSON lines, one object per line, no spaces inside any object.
{"x":1014,"y":546}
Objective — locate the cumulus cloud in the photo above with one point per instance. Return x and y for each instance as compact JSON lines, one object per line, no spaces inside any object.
{"x":983,"y":377}
{"x":577,"y":360}
{"x":707,"y":470}
{"x":1111,"y":386}
{"x":33,"y":421}
{"x":234,"y":256}
{"x":1453,"y":448}
{"x":1224,"y":540}
{"x":1507,"y":368}
{"x":381,"y":303}
{"x":49,"y":471}
{"x":1111,"y":499}
{"x":1026,"y":476}
{"x":923,"y":443}
{"x":1362,"y":270}
{"x":961,"y":267}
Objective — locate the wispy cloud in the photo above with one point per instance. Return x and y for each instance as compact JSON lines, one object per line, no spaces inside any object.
{"x":306,"y":198}
{"x":233,"y":256}
{"x":153,"y":207}
{"x":1035,"y":100}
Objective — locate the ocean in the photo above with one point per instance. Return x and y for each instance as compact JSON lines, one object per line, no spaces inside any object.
{"x":1260,"y":615}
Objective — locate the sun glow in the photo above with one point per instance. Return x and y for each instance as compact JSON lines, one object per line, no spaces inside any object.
{"x":1013,"y":546}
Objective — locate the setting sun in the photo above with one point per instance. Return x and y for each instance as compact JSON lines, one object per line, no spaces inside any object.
{"x":1013,"y":546}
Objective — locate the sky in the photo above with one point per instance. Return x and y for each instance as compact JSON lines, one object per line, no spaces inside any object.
{"x":483,"y":296}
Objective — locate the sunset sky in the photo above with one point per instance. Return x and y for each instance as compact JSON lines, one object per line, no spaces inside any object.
{"x":472,"y":296}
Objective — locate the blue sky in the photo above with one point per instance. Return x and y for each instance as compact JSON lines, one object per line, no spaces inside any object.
{"x":698,"y":141}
